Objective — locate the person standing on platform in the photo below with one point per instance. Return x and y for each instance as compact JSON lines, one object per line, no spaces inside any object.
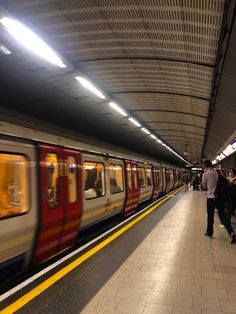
{"x":185,"y":180}
{"x":209,"y":182}
{"x":232,"y":182}
{"x":195,"y":181}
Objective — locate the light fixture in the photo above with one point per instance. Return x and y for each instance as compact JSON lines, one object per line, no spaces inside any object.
{"x":86,"y":84}
{"x":135,"y":122}
{"x":153,"y":136}
{"x":31,"y":41}
{"x":159,"y":141}
{"x":5,"y":50}
{"x":118,"y":109}
{"x":145,"y":131}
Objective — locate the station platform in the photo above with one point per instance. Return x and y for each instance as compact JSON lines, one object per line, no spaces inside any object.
{"x":163,"y":264}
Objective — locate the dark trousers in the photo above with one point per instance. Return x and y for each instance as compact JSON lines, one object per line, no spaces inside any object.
{"x":195,"y":185}
{"x":220,"y":205}
{"x":225,"y":216}
{"x":211,"y":203}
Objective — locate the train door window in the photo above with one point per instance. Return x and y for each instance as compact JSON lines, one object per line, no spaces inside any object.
{"x":116,"y":178}
{"x":14,"y":185}
{"x":158,"y":176}
{"x":52,"y":165}
{"x":135,"y":176}
{"x":155,"y":176}
{"x":149,"y":176}
{"x":142,"y":178}
{"x":94,"y":179}
{"x":129,"y":176}
{"x":72,"y":179}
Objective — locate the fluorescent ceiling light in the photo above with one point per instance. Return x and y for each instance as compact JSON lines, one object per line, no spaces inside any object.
{"x":5,"y":50}
{"x":135,"y":122}
{"x":31,"y":41}
{"x":145,"y":131}
{"x":153,"y":136}
{"x":89,"y":86}
{"x":118,"y":109}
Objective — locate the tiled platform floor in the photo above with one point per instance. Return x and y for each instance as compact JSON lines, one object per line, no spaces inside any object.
{"x":175,"y":270}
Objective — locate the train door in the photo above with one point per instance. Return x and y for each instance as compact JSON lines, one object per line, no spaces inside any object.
{"x":72,"y":193}
{"x":176,"y":172}
{"x":158,"y":183}
{"x":164,"y":179}
{"x":51,"y":201}
{"x":172,"y":178}
{"x":168,"y":180}
{"x":145,"y":182}
{"x":96,"y":198}
{"x":132,"y":187}
{"x":116,"y":185}
{"x":58,"y":218}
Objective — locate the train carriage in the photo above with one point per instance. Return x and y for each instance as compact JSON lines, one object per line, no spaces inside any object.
{"x":51,"y":188}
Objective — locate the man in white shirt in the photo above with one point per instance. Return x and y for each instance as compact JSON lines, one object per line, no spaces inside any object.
{"x":209,"y":183}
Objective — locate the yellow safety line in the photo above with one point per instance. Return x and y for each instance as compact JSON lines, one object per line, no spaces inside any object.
{"x":12,"y":308}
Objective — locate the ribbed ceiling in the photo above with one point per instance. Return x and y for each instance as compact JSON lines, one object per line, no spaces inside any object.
{"x":155,"y":58}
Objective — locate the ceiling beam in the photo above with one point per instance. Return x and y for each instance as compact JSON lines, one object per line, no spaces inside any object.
{"x":176,"y":130}
{"x":169,"y":111}
{"x":203,"y":64}
{"x":179,"y":123}
{"x":181,"y":136}
{"x":160,"y":93}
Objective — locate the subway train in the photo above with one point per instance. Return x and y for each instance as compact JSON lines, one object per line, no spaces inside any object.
{"x":53,"y":187}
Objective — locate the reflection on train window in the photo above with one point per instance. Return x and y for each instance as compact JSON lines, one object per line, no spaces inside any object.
{"x":14,"y":185}
{"x":53,"y":179}
{"x":128,"y":169}
{"x":149,"y":176}
{"x":94,"y":180}
{"x":72,"y":179}
{"x":116,"y":178}
{"x":135,"y":176}
{"x":142,"y":179}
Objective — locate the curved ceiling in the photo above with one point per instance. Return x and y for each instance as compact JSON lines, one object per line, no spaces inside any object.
{"x":157,"y":61}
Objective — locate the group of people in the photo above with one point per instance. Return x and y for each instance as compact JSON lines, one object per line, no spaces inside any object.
{"x":221,"y":195}
{"x":194,"y":181}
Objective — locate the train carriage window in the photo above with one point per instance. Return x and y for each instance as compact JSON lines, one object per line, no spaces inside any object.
{"x":14,"y":185}
{"x":142,"y":178}
{"x":72,"y":179}
{"x":94,"y":179}
{"x":135,"y":176}
{"x":116,"y":178}
{"x":129,"y":176}
{"x":53,"y":180}
{"x":149,"y":176}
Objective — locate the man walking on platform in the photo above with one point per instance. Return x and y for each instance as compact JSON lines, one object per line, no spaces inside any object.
{"x":209,"y":182}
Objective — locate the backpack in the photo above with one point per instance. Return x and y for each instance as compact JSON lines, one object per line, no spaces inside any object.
{"x":222,"y":191}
